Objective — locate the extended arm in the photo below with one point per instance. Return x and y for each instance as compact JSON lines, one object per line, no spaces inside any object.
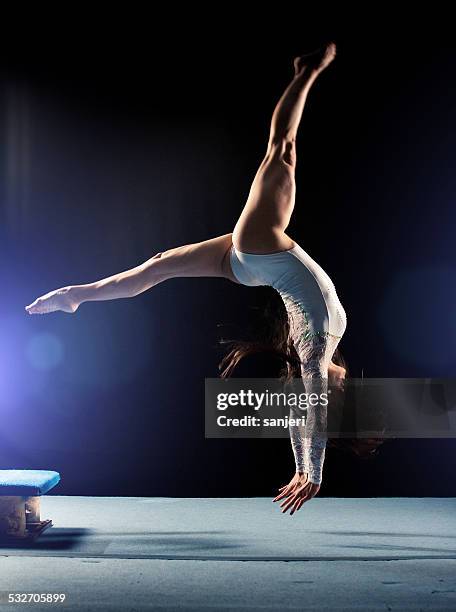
{"x":309,"y":442}
{"x":297,"y":437}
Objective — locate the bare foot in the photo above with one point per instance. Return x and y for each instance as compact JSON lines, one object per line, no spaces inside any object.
{"x":316,"y":61}
{"x":59,"y":299}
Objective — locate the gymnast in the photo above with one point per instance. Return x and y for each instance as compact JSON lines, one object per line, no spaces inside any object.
{"x":259,"y":252}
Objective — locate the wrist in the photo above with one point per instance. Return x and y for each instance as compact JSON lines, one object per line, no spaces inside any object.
{"x":314,"y":479}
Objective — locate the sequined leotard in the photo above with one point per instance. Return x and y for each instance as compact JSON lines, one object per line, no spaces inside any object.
{"x":317,"y":323}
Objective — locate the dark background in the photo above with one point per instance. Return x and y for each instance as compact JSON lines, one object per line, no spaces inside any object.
{"x":124,"y":137}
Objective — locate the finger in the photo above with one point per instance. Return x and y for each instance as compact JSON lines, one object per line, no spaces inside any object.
{"x":289,"y":505}
{"x":284,"y":493}
{"x":289,"y":502}
{"x":312,"y":494}
{"x":313,"y":490}
{"x":298,"y":503}
{"x":295,"y":506}
{"x":307,"y":496}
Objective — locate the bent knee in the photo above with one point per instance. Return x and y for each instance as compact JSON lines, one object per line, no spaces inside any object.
{"x":282,"y":150}
{"x":289,"y":153}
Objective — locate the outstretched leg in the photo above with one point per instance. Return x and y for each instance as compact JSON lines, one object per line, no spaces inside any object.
{"x":266,"y":215}
{"x":208,"y":258}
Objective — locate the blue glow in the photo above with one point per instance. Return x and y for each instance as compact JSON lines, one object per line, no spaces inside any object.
{"x":44,"y":351}
{"x":107,"y":346}
{"x":417,"y":317}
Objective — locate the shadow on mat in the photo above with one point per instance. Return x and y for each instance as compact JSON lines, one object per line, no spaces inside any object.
{"x":386,"y":534}
{"x":54,"y":539}
{"x":164,"y":534}
{"x":144,"y":543}
{"x":395,"y":548}
{"x":155,"y":542}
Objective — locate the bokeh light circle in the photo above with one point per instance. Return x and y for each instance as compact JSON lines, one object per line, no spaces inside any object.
{"x":44,"y":351}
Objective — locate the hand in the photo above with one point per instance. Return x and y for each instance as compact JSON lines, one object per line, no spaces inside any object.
{"x":296,"y":493}
{"x":290,"y":486}
{"x":59,"y":299}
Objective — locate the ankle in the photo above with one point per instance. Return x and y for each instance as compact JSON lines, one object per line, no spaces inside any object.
{"x":306,"y":74}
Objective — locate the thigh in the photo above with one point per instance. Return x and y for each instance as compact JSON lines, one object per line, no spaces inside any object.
{"x":207,"y":258}
{"x":267,"y":212}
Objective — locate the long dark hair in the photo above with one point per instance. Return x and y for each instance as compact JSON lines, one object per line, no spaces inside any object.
{"x":270,"y":333}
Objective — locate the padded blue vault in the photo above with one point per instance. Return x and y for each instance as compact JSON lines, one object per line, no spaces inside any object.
{"x":27,"y":482}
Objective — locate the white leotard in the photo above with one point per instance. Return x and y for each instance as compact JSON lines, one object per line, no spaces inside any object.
{"x":317,"y":323}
